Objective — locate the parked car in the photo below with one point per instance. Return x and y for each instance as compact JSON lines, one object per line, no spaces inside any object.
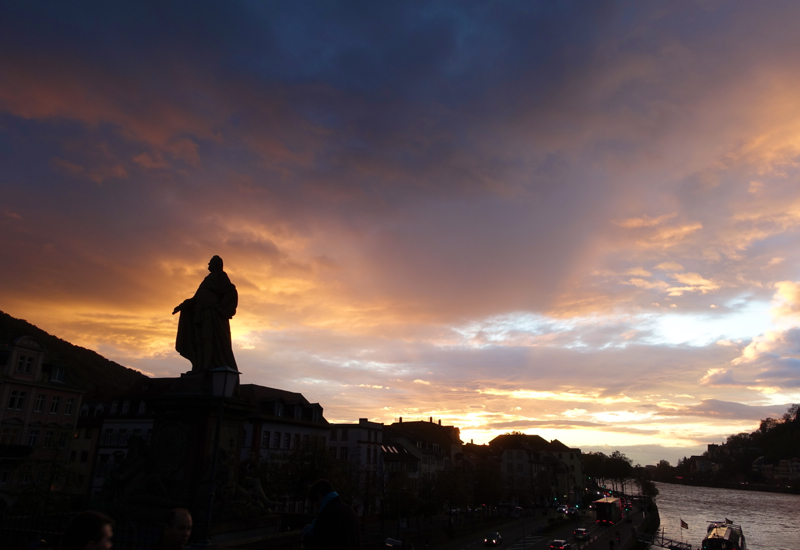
{"x":559,"y":544}
{"x":581,"y":533}
{"x":493,"y":539}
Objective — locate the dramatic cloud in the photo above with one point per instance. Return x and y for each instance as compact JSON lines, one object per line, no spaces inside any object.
{"x":573,"y":219}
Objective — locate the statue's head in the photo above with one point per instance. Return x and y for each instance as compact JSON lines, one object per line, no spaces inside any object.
{"x":215,"y":264}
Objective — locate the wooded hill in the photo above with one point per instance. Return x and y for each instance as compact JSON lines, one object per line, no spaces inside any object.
{"x":87,"y":369}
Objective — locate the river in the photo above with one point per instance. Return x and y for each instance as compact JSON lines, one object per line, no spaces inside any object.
{"x":770,"y":521}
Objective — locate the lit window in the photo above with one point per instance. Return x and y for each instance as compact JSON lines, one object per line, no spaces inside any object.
{"x":9,"y":436}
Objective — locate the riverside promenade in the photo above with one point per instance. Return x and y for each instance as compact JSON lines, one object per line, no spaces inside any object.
{"x":529,"y":533}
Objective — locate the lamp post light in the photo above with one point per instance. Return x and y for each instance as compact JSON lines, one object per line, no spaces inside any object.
{"x":223,"y":382}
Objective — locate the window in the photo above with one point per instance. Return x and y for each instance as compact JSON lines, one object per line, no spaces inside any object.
{"x":510,"y":468}
{"x":114,"y":406}
{"x":265,"y":439}
{"x":25,"y":364}
{"x":77,"y":434}
{"x":99,"y":410}
{"x":333,"y":434}
{"x":123,"y":437}
{"x":68,"y":406}
{"x":102,"y":466}
{"x":276,"y":443}
{"x":287,"y":440}
{"x":40,"y":475}
{"x":278,"y":409}
{"x":137,"y":432}
{"x":149,"y":433}
{"x":332,"y":450}
{"x":87,"y":434}
{"x":305,"y":440}
{"x":109,"y":438}
{"x":57,"y":374}
{"x":344,"y":453}
{"x":84,"y":456}
{"x":85,"y":410}
{"x":519,"y":454}
{"x":9,"y":436}
{"x":32,"y":437}
{"x":142,"y":407}
{"x":26,"y":476}
{"x":72,"y":455}
{"x":48,"y":438}
{"x":54,"y":403}
{"x":519,"y":467}
{"x":39,"y":404}
{"x":369,"y":455}
{"x":126,"y":406}
{"x":344,"y":434}
{"x":296,"y":441}
{"x":570,"y":456}
{"x":17,"y":400}
{"x":4,"y":476}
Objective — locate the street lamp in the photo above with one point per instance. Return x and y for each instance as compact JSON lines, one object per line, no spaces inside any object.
{"x":223,"y":382}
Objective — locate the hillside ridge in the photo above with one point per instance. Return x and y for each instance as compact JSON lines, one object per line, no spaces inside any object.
{"x":87,"y":369}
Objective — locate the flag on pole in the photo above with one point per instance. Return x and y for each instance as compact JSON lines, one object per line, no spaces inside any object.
{"x":684,"y":525}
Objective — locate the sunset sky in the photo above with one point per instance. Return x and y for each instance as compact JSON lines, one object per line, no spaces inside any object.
{"x":574,"y":219}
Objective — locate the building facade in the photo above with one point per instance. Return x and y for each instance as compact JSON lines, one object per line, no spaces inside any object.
{"x":38,"y":413}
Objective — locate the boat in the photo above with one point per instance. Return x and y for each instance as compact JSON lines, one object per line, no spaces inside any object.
{"x":724,"y":535}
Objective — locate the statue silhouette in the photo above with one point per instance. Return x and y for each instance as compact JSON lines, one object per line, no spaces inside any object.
{"x":204,"y":329}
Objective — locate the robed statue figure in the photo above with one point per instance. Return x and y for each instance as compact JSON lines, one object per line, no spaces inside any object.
{"x":204,"y":329}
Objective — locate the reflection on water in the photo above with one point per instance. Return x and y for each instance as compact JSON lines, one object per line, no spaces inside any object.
{"x":769,"y":520}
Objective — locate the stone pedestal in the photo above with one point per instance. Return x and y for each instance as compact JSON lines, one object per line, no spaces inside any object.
{"x":182,"y":443}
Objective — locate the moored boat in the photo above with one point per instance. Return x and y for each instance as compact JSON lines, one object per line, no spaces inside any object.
{"x":724,"y":535}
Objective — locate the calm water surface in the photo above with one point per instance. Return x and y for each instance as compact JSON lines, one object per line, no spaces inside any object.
{"x":770,"y":521}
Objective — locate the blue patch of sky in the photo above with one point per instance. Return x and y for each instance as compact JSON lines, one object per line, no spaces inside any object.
{"x":740,"y":321}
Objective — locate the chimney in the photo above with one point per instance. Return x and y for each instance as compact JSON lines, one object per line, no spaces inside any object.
{"x":470,"y":442}
{"x":401,"y":420}
{"x":440,"y":421}
{"x":431,"y":420}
